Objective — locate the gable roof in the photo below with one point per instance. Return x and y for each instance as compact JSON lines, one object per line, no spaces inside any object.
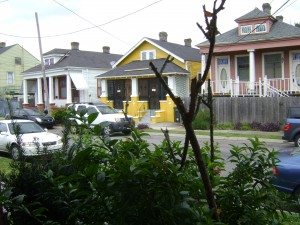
{"x":142,"y":68}
{"x":78,"y":58}
{"x":4,"y":49}
{"x":254,"y":14}
{"x":180,"y":52}
{"x":279,"y":30}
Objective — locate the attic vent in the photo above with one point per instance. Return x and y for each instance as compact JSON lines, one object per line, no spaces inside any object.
{"x":75,"y":45}
{"x":163,"y":36}
{"x":267,"y":8}
{"x":106,"y":49}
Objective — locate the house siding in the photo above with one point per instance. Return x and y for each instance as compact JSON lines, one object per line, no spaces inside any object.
{"x":7,"y":61}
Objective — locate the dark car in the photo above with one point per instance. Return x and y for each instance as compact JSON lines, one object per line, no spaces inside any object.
{"x":291,"y":130}
{"x":287,"y":172}
{"x":35,"y":115}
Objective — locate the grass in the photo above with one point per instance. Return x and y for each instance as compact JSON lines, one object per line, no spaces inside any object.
{"x":231,"y":133}
{"x":4,"y":164}
{"x":292,"y":219}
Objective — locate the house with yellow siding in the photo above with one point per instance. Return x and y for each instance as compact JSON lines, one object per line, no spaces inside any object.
{"x":14,"y":60}
{"x":131,"y":80}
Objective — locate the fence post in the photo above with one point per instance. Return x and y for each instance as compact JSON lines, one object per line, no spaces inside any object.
{"x":260,"y":87}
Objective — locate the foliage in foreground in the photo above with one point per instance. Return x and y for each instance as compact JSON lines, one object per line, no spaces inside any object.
{"x":103,"y":181}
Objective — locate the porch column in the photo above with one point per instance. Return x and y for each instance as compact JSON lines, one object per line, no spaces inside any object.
{"x":203,"y":65}
{"x":104,"y":88}
{"x":69,"y":90}
{"x":251,"y":68}
{"x":172,"y":84}
{"x":40,"y":91}
{"x":25,"y":93}
{"x":51,"y":94}
{"x":134,"y":87}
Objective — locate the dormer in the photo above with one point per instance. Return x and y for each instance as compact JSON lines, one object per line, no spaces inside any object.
{"x":256,"y":21}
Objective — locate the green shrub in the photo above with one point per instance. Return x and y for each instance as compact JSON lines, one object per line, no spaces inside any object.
{"x":59,"y":115}
{"x":246,"y":194}
{"x":202,"y":120}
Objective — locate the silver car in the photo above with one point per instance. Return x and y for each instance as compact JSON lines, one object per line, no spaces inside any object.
{"x":32,"y":139}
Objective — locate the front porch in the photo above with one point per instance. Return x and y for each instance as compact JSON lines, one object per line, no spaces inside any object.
{"x":284,"y":87}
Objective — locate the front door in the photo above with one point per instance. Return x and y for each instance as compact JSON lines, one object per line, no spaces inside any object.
{"x":222,"y":85}
{"x":295,"y":78}
{"x":151,"y":90}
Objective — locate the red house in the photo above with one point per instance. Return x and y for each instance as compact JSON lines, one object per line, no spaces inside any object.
{"x":260,"y":57}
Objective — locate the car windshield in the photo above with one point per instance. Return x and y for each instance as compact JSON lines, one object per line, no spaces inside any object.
{"x":105,"y":109}
{"x":34,"y":112}
{"x":25,"y":128}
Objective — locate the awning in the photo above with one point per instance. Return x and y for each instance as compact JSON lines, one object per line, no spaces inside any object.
{"x":79,"y":81}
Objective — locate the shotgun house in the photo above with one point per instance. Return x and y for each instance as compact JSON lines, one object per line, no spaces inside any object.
{"x":132,"y":82}
{"x":69,"y":74}
{"x":259,"y":57}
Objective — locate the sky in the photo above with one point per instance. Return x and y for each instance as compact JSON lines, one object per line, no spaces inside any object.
{"x":119,"y":24}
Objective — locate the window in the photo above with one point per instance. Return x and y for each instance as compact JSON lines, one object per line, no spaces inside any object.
{"x":243,"y":68}
{"x":223,"y":78}
{"x":49,"y":61}
{"x":62,"y":88}
{"x":146,"y":55}
{"x":246,"y":29}
{"x":273,"y":66}
{"x":18,"y":60}
{"x":10,"y":78}
{"x":260,"y":28}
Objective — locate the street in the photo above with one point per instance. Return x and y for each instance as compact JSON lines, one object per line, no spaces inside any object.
{"x":223,"y":143}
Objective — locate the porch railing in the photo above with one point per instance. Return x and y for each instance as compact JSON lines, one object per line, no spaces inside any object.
{"x":261,"y":88}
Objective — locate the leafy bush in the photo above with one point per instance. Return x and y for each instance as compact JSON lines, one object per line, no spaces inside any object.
{"x":59,"y":115}
{"x":142,"y":126}
{"x":246,"y":194}
{"x":96,"y":180}
{"x":202,"y":120}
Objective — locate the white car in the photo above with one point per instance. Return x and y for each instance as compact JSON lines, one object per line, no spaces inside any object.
{"x":117,"y":121}
{"x":33,"y":139}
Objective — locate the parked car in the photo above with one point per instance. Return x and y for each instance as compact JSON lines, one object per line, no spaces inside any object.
{"x":34,"y":140}
{"x":33,"y":114}
{"x":117,"y":121}
{"x":291,"y":130}
{"x":287,"y":172}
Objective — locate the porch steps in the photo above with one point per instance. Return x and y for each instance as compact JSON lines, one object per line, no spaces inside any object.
{"x":146,"y":118}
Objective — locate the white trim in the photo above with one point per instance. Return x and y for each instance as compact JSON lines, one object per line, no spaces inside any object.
{"x":258,"y":25}
{"x":245,"y":26}
{"x":235,"y":63}
{"x":151,"y":42}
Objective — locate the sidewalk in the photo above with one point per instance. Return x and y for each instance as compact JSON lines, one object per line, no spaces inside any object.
{"x":179,"y":127}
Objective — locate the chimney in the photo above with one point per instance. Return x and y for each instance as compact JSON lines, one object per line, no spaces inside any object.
{"x":2,"y":44}
{"x":163,"y":36}
{"x":75,"y":45}
{"x":267,"y":8}
{"x":279,"y":18}
{"x":188,"y":42}
{"x":106,"y":49}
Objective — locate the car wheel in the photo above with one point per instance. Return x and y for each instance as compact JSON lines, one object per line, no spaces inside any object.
{"x":297,"y":140}
{"x":107,"y":130}
{"x":7,"y":117}
{"x":15,"y":152}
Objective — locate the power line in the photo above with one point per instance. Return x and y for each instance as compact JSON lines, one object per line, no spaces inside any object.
{"x":94,"y":26}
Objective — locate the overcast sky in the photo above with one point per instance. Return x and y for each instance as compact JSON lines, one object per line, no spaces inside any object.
{"x":119,"y":24}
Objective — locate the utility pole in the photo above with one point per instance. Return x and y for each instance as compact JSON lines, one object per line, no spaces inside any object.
{"x":45,"y":91}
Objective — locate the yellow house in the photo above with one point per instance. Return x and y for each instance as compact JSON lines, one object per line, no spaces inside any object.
{"x":132,"y":81}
